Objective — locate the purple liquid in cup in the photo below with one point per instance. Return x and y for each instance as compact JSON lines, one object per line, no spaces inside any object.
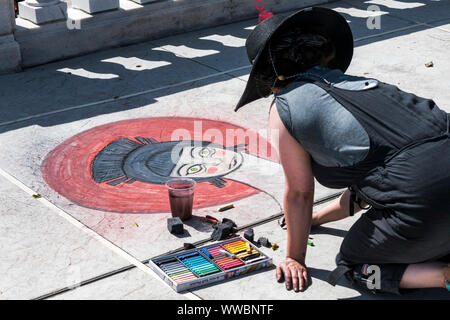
{"x":181,"y":197}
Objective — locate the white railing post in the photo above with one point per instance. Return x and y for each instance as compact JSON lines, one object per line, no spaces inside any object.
{"x":10,"y":57}
{"x":94,"y":6}
{"x":43,"y":11}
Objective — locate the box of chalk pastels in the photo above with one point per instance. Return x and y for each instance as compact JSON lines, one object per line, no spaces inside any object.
{"x":208,"y":264}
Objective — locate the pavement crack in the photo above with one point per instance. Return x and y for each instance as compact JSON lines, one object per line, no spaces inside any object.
{"x":133,"y":291}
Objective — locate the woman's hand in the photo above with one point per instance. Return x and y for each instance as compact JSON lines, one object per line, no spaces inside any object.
{"x":294,"y":274}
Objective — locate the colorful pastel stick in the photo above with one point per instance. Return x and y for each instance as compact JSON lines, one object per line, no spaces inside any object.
{"x":223,"y":260}
{"x":192,"y":259}
{"x":181,"y":275}
{"x":176,"y":274}
{"x":198,"y":268}
{"x":231,"y":245}
{"x":178,"y":280}
{"x":206,"y":253}
{"x":226,"y":260}
{"x":193,"y":265}
{"x":174,"y":270}
{"x":168,"y":266}
{"x":232,"y":265}
{"x":205,"y":271}
{"x":236,"y":249}
{"x":188,"y":255}
{"x":185,"y":277}
{"x":172,"y":267}
{"x":206,"y":267}
{"x":180,"y":271}
{"x":209,"y":265}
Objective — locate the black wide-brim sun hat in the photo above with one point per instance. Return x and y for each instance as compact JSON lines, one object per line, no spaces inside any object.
{"x":257,"y":42}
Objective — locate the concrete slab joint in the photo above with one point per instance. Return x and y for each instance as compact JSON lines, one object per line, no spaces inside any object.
{"x":43,"y":11}
{"x":94,"y":6}
{"x":9,"y":49}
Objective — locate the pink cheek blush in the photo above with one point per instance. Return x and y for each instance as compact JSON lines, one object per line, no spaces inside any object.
{"x":212,"y":170}
{"x":220,"y":152}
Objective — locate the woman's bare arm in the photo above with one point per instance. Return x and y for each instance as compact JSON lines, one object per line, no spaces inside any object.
{"x":337,"y":210}
{"x":298,"y":200}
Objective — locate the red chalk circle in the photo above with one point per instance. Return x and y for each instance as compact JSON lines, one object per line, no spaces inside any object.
{"x":68,"y":168}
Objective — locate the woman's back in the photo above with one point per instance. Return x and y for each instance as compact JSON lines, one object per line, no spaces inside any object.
{"x":351,"y":125}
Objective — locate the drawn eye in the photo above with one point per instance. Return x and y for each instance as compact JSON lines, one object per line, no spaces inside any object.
{"x":204,"y":152}
{"x":196,"y":168}
{"x":233,"y":162}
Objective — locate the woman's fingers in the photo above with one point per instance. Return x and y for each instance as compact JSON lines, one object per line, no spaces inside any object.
{"x":295,"y":279}
{"x":279,"y":274}
{"x":287,"y":277}
{"x":295,"y":276}
{"x":304,"y":282}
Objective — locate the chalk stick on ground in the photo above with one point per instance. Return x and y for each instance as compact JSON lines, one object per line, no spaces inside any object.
{"x":264,"y":242}
{"x":249,"y":234}
{"x":175,"y":225}
{"x":228,"y":207}
{"x":222,"y":231}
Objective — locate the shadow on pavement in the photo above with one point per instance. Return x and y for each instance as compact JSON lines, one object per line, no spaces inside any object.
{"x":97,"y":84}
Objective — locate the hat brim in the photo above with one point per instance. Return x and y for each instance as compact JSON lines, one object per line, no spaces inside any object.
{"x":337,"y":29}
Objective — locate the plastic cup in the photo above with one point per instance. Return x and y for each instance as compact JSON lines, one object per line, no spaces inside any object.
{"x":181,"y":197}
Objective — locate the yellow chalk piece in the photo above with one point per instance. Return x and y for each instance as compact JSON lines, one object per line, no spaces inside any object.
{"x":36,"y":196}
{"x":275,"y":246}
{"x":135,"y":224}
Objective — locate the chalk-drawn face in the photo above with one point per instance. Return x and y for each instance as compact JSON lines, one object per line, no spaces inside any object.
{"x":203,"y":161}
{"x":128,"y":173}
